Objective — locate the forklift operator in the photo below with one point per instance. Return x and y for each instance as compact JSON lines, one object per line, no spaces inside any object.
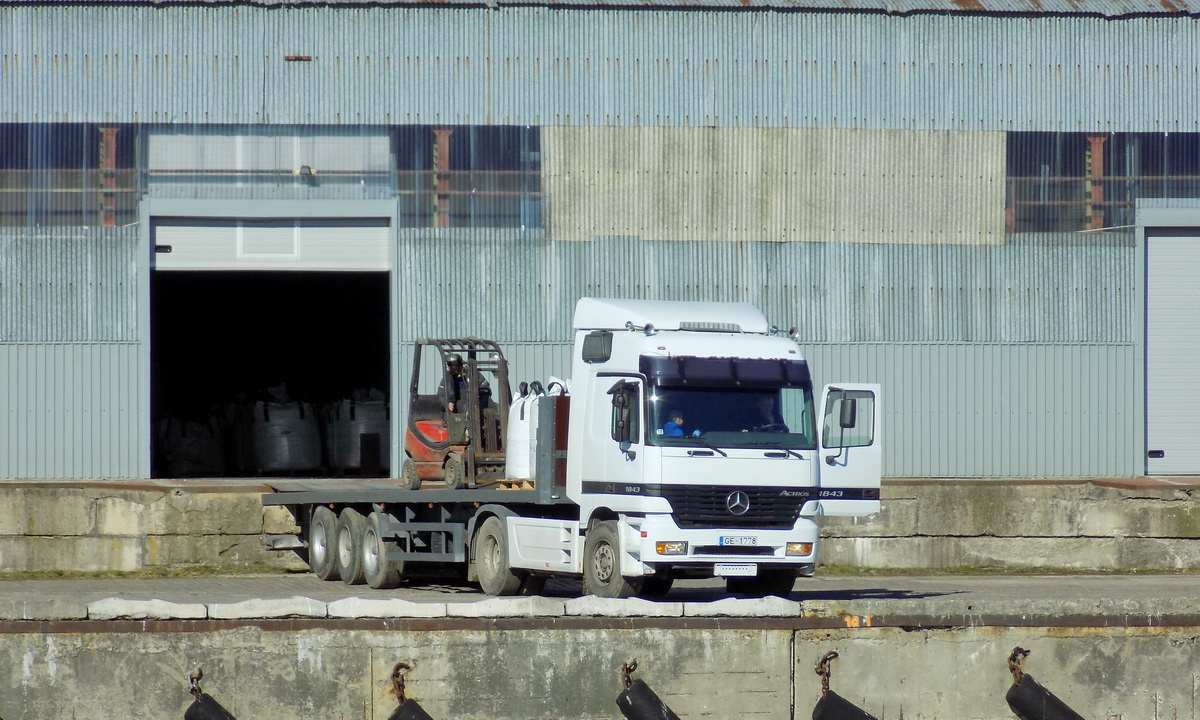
{"x":450,"y":396}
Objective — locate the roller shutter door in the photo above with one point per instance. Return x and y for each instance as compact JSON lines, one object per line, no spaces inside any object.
{"x":1173,"y":352}
{"x":336,"y":245}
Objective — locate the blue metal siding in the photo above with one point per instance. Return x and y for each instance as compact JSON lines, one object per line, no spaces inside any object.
{"x":997,"y":410}
{"x":997,"y":361}
{"x":68,"y":284}
{"x":522,"y":286}
{"x":71,"y":410}
{"x":551,"y":66}
{"x":71,"y":397}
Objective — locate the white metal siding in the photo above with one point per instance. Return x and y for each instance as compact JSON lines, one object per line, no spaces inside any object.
{"x":1173,"y":352}
{"x":272,"y":245}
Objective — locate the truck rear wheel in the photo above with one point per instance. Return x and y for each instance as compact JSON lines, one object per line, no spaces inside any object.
{"x":379,"y":572}
{"x":602,"y":564}
{"x":349,"y":546}
{"x":322,"y":543}
{"x":491,"y":560}
{"x":770,"y":581}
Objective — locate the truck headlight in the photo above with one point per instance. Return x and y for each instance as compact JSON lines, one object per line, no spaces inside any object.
{"x":670,"y":547}
{"x":799,"y":548}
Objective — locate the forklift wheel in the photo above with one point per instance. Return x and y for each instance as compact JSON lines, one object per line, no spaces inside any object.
{"x":454,"y":474}
{"x":408,"y":475}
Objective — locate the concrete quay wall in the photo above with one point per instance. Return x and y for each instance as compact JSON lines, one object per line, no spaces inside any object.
{"x":1083,"y":524}
{"x":541,"y":668}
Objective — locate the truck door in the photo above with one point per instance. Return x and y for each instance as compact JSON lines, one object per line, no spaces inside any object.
{"x":613,"y":457}
{"x":851,"y":459}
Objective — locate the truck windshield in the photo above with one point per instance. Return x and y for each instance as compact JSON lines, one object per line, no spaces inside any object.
{"x":733,"y":417}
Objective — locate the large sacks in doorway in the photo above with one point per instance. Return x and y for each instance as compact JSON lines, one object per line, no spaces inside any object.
{"x":285,"y":437}
{"x":358,"y":434}
{"x":187,"y":448}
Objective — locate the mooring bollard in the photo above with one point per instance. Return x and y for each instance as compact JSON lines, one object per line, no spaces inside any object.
{"x":832,"y":706}
{"x":638,"y":701}
{"x":1028,"y":699}
{"x":409,"y":709}
{"x":203,"y":707}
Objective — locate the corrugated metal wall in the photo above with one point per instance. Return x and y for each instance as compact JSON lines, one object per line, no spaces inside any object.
{"x":70,"y":355}
{"x":998,"y":361}
{"x":522,"y":287}
{"x":551,"y":66}
{"x":68,"y":284}
{"x":1047,"y":321}
{"x":71,"y":410}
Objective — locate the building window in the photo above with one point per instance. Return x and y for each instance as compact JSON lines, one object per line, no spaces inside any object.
{"x":67,"y":174}
{"x":1067,"y":182}
{"x":444,"y":176}
{"x":469,"y":176}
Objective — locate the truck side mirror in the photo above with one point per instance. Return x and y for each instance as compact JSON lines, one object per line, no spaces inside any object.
{"x":849,"y":415}
{"x":624,"y":413}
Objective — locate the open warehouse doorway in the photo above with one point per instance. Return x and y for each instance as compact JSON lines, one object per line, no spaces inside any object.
{"x":270,"y":363}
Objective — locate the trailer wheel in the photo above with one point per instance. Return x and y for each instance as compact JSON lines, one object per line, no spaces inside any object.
{"x":408,"y":475}
{"x":380,"y":573}
{"x":349,"y":546}
{"x":453,"y":472}
{"x":491,"y":560}
{"x":322,"y":541}
{"x":602,"y":564}
{"x":770,"y":581}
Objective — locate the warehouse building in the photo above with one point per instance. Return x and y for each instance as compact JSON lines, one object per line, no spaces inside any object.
{"x":988,"y":207}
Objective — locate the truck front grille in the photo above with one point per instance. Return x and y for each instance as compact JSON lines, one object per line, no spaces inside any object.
{"x":708,"y":506}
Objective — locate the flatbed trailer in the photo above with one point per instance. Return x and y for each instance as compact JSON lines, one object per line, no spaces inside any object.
{"x":371,"y":530}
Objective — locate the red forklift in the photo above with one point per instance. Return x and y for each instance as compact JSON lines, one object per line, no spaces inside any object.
{"x":463,"y":447}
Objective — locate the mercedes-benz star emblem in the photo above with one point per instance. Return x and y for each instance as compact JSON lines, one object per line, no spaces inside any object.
{"x":738,"y":502}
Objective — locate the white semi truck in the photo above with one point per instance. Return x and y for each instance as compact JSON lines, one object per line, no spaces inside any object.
{"x":689,"y":444}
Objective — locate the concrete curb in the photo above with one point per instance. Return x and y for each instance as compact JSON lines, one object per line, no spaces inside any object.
{"x":743,"y":607}
{"x":357,"y":607}
{"x":508,"y":607}
{"x":590,"y":605}
{"x":274,"y":608}
{"x":114,"y":608}
{"x":47,"y":609}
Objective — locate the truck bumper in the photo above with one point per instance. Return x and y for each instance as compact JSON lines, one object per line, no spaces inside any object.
{"x":713,"y":550}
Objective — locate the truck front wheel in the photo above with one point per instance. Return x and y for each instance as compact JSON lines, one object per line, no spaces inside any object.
{"x":602,"y":564}
{"x":491,"y":560}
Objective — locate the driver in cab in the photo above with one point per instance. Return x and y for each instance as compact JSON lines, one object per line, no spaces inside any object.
{"x":766,"y":417}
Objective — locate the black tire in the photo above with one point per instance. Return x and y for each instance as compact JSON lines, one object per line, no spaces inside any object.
{"x":770,"y":581}
{"x":602,"y":564}
{"x":656,"y":586}
{"x":349,"y":546}
{"x":454,"y":474}
{"x":408,"y":475}
{"x":533,"y":584}
{"x":379,"y":572}
{"x":491,"y":560}
{"x":322,"y":544}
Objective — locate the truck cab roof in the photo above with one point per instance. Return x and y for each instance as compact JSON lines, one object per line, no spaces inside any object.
{"x":618,"y":314}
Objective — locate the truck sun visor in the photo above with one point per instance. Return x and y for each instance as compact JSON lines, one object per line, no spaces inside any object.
{"x":681,"y":370}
